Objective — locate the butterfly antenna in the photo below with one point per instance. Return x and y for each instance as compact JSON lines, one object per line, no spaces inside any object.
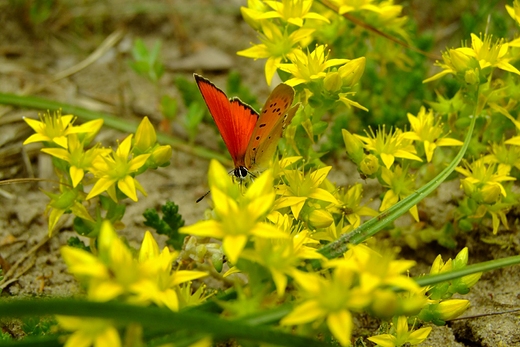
{"x":202,"y":197}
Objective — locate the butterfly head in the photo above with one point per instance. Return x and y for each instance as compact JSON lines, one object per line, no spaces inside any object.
{"x":241,"y":172}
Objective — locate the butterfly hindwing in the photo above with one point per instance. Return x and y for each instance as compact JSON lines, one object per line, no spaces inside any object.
{"x":235,"y":120}
{"x":269,"y":128}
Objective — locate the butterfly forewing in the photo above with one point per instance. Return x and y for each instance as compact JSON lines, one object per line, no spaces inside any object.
{"x":266,"y":149}
{"x":234,"y":119}
{"x":269,"y":127}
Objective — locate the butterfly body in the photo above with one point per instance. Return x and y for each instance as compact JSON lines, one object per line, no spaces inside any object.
{"x":250,"y":138}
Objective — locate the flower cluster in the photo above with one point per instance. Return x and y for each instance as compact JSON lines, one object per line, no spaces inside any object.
{"x":286,"y":29}
{"x":269,"y":234}
{"x":474,"y":65}
{"x":440,"y":307}
{"x":361,"y":280}
{"x":377,"y":154}
{"x":483,"y":185}
{"x":111,"y":171}
{"x":114,"y":273}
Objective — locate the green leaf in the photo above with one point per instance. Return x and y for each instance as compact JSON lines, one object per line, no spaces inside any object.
{"x":155,"y":319}
{"x":169,"y":225}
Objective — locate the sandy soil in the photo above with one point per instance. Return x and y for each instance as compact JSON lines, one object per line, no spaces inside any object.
{"x":201,"y":38}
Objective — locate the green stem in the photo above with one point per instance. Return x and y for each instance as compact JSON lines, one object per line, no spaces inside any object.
{"x":467,"y":270}
{"x":114,"y":122}
{"x":155,"y":318}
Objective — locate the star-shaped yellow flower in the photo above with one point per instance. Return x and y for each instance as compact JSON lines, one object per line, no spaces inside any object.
{"x":117,"y":169}
{"x":238,"y":216}
{"x":429,"y":132}
{"x":300,"y":187}
{"x":276,"y":45}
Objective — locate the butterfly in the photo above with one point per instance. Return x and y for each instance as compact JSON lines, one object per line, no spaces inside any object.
{"x":250,"y":138}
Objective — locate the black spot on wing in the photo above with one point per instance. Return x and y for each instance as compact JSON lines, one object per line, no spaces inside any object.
{"x":262,"y":125}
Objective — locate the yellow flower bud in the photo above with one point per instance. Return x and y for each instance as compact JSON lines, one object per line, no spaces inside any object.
{"x":354,"y":146}
{"x":470,"y":280}
{"x":320,"y":219}
{"x":352,"y":71}
{"x":490,"y":193}
{"x":145,"y":136}
{"x":369,"y":165}
{"x":437,"y":265}
{"x":332,"y":82}
{"x":468,"y":187}
{"x":161,"y":155}
{"x":459,"y":60}
{"x":471,"y":76}
{"x":461,"y":259}
{"x":450,"y":309}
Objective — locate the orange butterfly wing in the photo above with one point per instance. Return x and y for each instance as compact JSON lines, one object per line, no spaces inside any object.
{"x":269,"y":128}
{"x":235,"y":120}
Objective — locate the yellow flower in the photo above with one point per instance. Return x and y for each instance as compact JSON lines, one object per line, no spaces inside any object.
{"x":89,"y":332}
{"x":308,"y":67}
{"x":158,"y":283}
{"x":238,"y":217}
{"x":401,"y":185}
{"x":79,"y":159}
{"x":483,"y":54}
{"x":117,"y":169}
{"x":383,"y":15}
{"x":254,"y":9}
{"x":377,"y":270}
{"x":483,"y":182}
{"x":332,"y":233}
{"x":109,"y":274}
{"x":300,"y":188}
{"x":56,"y":128}
{"x":514,"y":11}
{"x":350,"y":205}
{"x":389,"y":146}
{"x":283,"y":256}
{"x":345,"y":6}
{"x":330,"y":299}
{"x":428,"y":132}
{"x":276,"y":45}
{"x":489,"y":54}
{"x":115,"y":273}
{"x":401,"y":335}
{"x":290,"y":11}
{"x":505,"y":156}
